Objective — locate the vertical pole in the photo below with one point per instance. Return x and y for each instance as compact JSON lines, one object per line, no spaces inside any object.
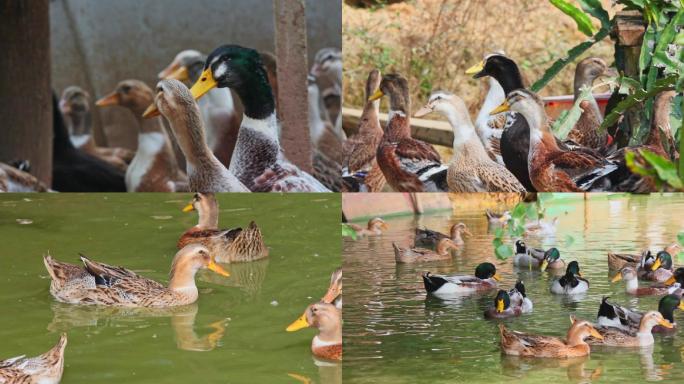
{"x":25,"y":95}
{"x":292,"y":70}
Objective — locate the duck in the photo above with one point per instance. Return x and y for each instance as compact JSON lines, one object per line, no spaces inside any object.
{"x":552,"y":260}
{"x":537,"y":258}
{"x":495,"y":218}
{"x":205,"y":172}
{"x":571,"y":283}
{"x":360,"y":169}
{"x":154,"y":167}
{"x":617,"y":261}
{"x":75,"y":106}
{"x":509,"y":304}
{"x":676,"y":281}
{"x":541,"y":227}
{"x":44,"y":369}
{"x":519,"y":297}
{"x":552,"y":168}
{"x":328,"y":320}
{"x":490,"y":128}
{"x":15,"y":180}
{"x":431,"y":238}
{"x":220,"y":118}
{"x":529,"y":345}
{"x":374,"y":227}
{"x":327,"y":146}
{"x":485,"y":278}
{"x":471,"y":169}
{"x":74,"y":170}
{"x":643,"y":337}
{"x":327,"y":70}
{"x":629,"y":275}
{"x":586,"y":131}
{"x":225,"y":245}
{"x":241,"y":69}
{"x":100,"y":284}
{"x":661,"y":270}
{"x":617,"y":316}
{"x":417,"y":255}
{"x":409,"y":165}
{"x":334,"y":293}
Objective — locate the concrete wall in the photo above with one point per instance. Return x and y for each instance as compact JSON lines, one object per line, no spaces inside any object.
{"x":95,"y":44}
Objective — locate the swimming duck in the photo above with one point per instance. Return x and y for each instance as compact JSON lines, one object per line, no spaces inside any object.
{"x":661,"y":270}
{"x":552,"y":168}
{"x":616,"y":337}
{"x":617,"y":261}
{"x":43,"y":369}
{"x":485,"y":278}
{"x":374,"y":228}
{"x":154,"y":167}
{"x":101,"y":284}
{"x":417,"y":255}
{"x":75,"y":106}
{"x":431,"y":238}
{"x":617,"y":316}
{"x":327,"y":146}
{"x":519,"y":297}
{"x":495,"y":218}
{"x":241,"y":70}
{"x":220,"y":118}
{"x":541,"y":227}
{"x":509,"y":304}
{"x":205,"y":171}
{"x":328,"y":319}
{"x":552,"y":260}
{"x":528,"y":345}
{"x":571,"y":283}
{"x":15,"y":180}
{"x":225,"y":245}
{"x":677,"y":278}
{"x":537,"y":258}
{"x":470,"y":169}
{"x":629,"y":275}
{"x":360,"y":169}
{"x":409,"y":165}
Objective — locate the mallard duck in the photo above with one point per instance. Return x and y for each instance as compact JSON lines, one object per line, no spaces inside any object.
{"x":15,"y":180}
{"x":409,"y":165}
{"x":495,"y":218}
{"x":429,"y":237}
{"x":43,"y":369}
{"x":552,"y":260}
{"x":327,"y":146}
{"x":154,"y":167}
{"x":536,"y":257}
{"x":629,"y":275}
{"x":677,"y":277}
{"x":101,"y":284}
{"x":470,"y":169}
{"x":374,"y":228}
{"x":485,"y":278}
{"x":519,"y":297}
{"x":328,"y":319}
{"x":241,"y":70}
{"x":661,"y":270}
{"x":75,"y":106}
{"x":205,"y":171}
{"x":417,"y":255}
{"x":528,"y":345}
{"x":552,"y":168}
{"x":220,"y":119}
{"x":360,"y":169}
{"x":571,"y":283}
{"x":509,"y":304}
{"x":617,"y":316}
{"x":616,"y":337}
{"x":327,"y":70}
{"x":225,"y":245}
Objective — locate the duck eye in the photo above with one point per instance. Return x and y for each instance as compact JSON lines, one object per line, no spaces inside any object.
{"x":126,"y":88}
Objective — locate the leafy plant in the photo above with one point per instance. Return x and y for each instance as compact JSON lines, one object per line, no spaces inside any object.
{"x":515,"y":228}
{"x":348,"y":231}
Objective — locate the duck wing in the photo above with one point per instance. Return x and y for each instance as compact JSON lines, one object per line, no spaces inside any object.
{"x":428,"y":236}
{"x":109,"y":276}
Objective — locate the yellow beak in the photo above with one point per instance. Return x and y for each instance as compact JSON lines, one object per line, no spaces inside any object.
{"x":298,"y":324}
{"x":423,"y":111}
{"x":670,"y":281}
{"x":188,"y":208}
{"x":665,"y":323}
{"x":499,"y":306}
{"x":384,"y":226}
{"x":595,"y":334}
{"x":681,"y":305}
{"x":496,"y":277}
{"x":544,"y":264}
{"x":377,"y":95}
{"x":501,"y":108}
{"x":204,"y":84}
{"x":617,"y":278}
{"x":180,"y":74}
{"x":110,"y":99}
{"x":475,"y":68}
{"x":656,"y":265}
{"x":217,"y":268}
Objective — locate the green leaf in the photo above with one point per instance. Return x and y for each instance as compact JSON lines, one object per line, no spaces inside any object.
{"x":519,"y":211}
{"x":569,"y":240}
{"x":637,"y":168}
{"x":566,"y":122}
{"x":504,"y":251}
{"x":680,"y":238}
{"x":594,"y":8}
{"x":497,"y":242}
{"x":666,"y":169}
{"x":348,"y":231}
{"x":581,"y":18}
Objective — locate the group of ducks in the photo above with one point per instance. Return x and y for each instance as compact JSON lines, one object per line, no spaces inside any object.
{"x":510,"y":148}
{"x":616,"y":325}
{"x":226,"y":146}
{"x":202,"y":246}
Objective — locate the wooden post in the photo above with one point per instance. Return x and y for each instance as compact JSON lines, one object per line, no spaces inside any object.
{"x":292,"y":70}
{"x":25,"y":95}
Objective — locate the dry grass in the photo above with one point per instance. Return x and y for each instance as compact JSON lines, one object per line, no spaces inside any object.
{"x":433,"y":42}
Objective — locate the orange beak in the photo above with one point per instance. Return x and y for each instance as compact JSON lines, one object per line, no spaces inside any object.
{"x":110,"y":99}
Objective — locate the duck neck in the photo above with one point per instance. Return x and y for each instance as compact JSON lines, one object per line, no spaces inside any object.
{"x":78,"y":124}
{"x":330,"y":334}
{"x":398,"y":125}
{"x":257,"y":97}
{"x":464,"y":132}
{"x":208,"y":219}
{"x":631,"y":285}
{"x":575,"y":338}
{"x":316,"y":124}
{"x":511,"y":79}
{"x":371,"y":113}
{"x":183,"y":279}
{"x":581,"y":81}
{"x":187,"y":127}
{"x":442,"y":249}
{"x":660,"y":122}
{"x":495,"y":97}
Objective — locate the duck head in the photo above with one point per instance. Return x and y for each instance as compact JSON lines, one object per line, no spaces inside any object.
{"x":174,"y":101}
{"x":396,"y":87}
{"x":528,"y":104}
{"x":75,"y":105}
{"x":520,"y":247}
{"x":323,"y":316}
{"x":132,"y":94}
{"x":460,"y":229}
{"x":590,"y":69}
{"x":663,"y":260}
{"x":328,"y":64}
{"x":187,"y":262}
{"x":552,"y":255}
{"x":486,"y":271}
{"x":580,"y":330}
{"x":668,"y":304}
{"x":500,"y":67}
{"x":444,"y":103}
{"x":627,"y":274}
{"x":651,"y":319}
{"x":573,"y":268}
{"x":207,"y":208}
{"x":520,"y":287}
{"x":502,"y":301}
{"x":677,"y":277}
{"x":186,"y":66}
{"x":377,"y":224}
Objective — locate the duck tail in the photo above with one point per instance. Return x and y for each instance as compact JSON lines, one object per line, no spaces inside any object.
{"x":55,"y":355}
{"x":50,"y":264}
{"x":432,"y":283}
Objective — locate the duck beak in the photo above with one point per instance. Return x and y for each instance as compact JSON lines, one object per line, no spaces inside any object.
{"x":376,"y":96}
{"x":496,"y":277}
{"x":665,"y":323}
{"x":298,"y":324}
{"x":180,"y":74}
{"x":204,"y":84}
{"x":681,"y":305}
{"x":384,"y":226}
{"x":476,"y":69}
{"x":110,"y":99}
{"x":188,"y":208}
{"x":617,"y":278}
{"x":217,"y":268}
{"x":594,"y":333}
{"x":656,"y":265}
{"x":544,"y":264}
{"x":670,"y":281}
{"x":499,"y":306}
{"x":501,"y":108}
{"x":423,"y":111}
{"x":151,"y":112}
{"x":467,"y":233}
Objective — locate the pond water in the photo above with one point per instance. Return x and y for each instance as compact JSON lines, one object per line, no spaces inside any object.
{"x":393,"y":333}
{"x":234,"y":333}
